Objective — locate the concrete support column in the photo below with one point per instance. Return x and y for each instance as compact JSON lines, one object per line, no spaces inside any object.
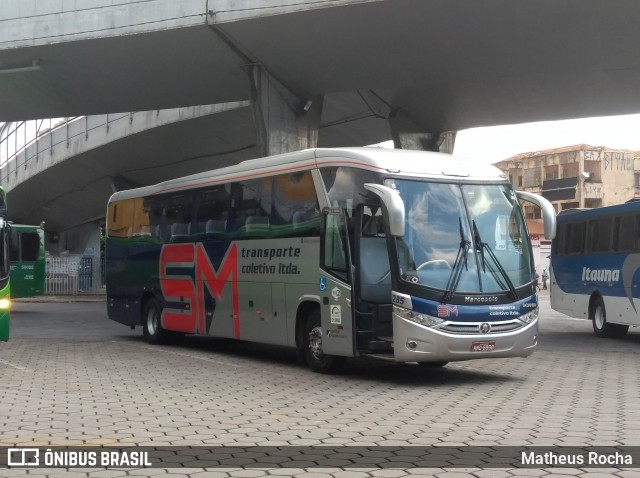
{"x":284,"y":122}
{"x":406,"y":134}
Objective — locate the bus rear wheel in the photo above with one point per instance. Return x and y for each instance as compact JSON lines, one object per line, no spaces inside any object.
{"x":152,"y":330}
{"x":602,"y":328}
{"x":316,"y":359}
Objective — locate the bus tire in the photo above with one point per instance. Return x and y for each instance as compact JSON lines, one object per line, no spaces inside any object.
{"x":602,"y":328}
{"x":152,"y":330}
{"x":312,"y":346}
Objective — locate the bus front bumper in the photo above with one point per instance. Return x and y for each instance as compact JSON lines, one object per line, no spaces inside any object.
{"x":416,"y":343}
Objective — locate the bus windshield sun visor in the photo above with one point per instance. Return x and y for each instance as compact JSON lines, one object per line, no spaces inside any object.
{"x":482,"y":246}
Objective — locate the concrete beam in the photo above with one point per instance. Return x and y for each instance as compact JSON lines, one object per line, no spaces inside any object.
{"x":103,"y":56}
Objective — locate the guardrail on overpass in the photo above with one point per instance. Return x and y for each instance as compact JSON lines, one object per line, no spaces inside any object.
{"x":27,"y":147}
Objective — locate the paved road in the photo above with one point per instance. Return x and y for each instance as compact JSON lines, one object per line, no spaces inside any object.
{"x":72,"y":377}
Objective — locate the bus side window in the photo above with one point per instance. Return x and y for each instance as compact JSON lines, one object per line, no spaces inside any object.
{"x":141,"y":225}
{"x":30,"y":246}
{"x":600,"y":235}
{"x":120,"y":218}
{"x":575,"y":236}
{"x":345,"y":185}
{"x":252,"y":206}
{"x":334,"y":255}
{"x":211,"y":213}
{"x":179,"y":216}
{"x":15,"y":246}
{"x":294,"y":207}
{"x":557,"y":245}
{"x":155,"y":208}
{"x":625,"y":234}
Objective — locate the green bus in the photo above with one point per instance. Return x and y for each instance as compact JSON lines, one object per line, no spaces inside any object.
{"x":27,"y":260}
{"x":4,"y":269}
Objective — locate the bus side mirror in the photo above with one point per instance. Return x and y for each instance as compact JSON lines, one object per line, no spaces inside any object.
{"x":548,"y":213}
{"x":393,"y":204}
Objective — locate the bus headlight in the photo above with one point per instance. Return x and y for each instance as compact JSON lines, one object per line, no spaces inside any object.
{"x":422,"y":319}
{"x":530,"y":317}
{"x":4,"y":304}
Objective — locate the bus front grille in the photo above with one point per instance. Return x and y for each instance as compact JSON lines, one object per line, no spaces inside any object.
{"x":474,"y":327}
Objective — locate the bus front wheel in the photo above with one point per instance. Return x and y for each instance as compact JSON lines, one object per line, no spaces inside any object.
{"x":152,"y":330}
{"x":602,"y":328}
{"x":312,"y":347}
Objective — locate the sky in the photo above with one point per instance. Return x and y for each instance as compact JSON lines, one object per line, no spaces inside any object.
{"x":493,"y":144}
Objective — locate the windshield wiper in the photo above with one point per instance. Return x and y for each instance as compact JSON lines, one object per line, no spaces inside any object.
{"x":481,"y":247}
{"x":456,"y":272}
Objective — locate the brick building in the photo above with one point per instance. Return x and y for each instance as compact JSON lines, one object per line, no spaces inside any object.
{"x":576,"y":176}
{"x":579,"y":176}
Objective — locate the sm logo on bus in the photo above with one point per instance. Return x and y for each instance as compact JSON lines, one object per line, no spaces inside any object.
{"x":186,"y":276}
{"x":447,"y":310}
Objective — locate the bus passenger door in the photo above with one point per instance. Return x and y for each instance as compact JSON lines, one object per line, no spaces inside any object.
{"x":335,"y":286}
{"x":372,"y":307}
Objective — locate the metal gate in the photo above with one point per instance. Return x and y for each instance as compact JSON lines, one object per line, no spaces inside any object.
{"x":73,"y":275}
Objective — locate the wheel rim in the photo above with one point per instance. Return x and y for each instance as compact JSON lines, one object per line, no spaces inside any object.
{"x":315,"y":343}
{"x":598,"y":317}
{"x":152,"y":321}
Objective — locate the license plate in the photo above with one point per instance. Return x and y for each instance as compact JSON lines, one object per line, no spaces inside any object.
{"x":486,"y":346}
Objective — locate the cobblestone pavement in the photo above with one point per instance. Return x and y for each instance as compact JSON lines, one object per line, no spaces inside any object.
{"x":72,"y":377}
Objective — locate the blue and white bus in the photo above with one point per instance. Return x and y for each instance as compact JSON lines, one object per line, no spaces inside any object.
{"x":595,"y":263}
{"x":398,"y":255}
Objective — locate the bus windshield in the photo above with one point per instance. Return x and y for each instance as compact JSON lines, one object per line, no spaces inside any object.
{"x":464,"y":238}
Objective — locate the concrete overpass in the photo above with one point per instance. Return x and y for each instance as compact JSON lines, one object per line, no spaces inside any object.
{"x":447,"y":65}
{"x":326,"y":72}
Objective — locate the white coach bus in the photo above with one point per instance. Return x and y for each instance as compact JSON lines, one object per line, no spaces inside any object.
{"x":392,"y":254}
